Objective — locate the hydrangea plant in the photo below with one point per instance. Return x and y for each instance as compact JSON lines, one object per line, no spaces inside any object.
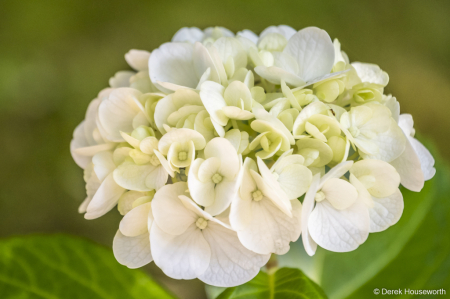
{"x":220,"y":149}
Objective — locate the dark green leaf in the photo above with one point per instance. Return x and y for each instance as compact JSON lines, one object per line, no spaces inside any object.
{"x":60,"y":266}
{"x":414,"y":253}
{"x":285,"y":283}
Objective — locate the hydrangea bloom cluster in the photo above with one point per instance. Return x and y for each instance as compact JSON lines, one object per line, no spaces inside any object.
{"x":220,"y":149}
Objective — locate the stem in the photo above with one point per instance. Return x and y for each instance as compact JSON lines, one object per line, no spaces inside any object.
{"x":272,"y":264}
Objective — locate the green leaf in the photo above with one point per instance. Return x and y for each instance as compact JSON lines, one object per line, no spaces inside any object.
{"x":285,"y":283}
{"x":414,"y":253}
{"x":60,"y":266}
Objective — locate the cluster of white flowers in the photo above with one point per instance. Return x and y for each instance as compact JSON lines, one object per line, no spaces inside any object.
{"x":220,"y":149}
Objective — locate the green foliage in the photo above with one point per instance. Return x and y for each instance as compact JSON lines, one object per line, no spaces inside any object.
{"x":285,"y":283}
{"x":411,"y":254}
{"x":60,"y":266}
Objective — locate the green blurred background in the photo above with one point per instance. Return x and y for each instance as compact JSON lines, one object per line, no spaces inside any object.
{"x":55,"y":56}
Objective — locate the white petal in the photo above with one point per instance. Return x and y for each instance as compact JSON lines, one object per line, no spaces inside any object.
{"x":262,"y":114}
{"x":295,"y":180}
{"x":269,"y":230}
{"x":341,"y":194}
{"x":202,"y":62}
{"x":231,"y":264}
{"x":157,"y":178}
{"x":211,"y":94}
{"x":363,"y":195}
{"x":271,"y":188}
{"x":231,"y":47}
{"x":138,"y":59}
{"x":201,"y":191}
{"x":248,"y":184}
{"x":116,"y":113}
{"x":425,"y":157}
{"x":275,"y":75}
{"x":163,"y":109}
{"x":121,"y":79}
{"x":104,"y":199}
{"x":79,"y":141}
{"x":169,"y":212}
{"x":172,"y":62}
{"x":386,"y":177}
{"x":237,"y":113}
{"x":241,"y":212}
{"x":222,"y":149}
{"x":307,"y":112}
{"x":224,"y":194}
{"x":250,"y":35}
{"x":391,"y":144}
{"x":406,"y":123}
{"x":132,"y":176}
{"x":386,"y":211}
{"x":371,"y":73}
{"x":188,"y":34}
{"x":286,"y":31}
{"x":103,"y":164}
{"x":182,"y":136}
{"x":133,"y":252}
{"x":135,"y":222}
{"x":125,"y":203}
{"x":336,"y":172}
{"x":308,"y":206}
{"x":409,"y":167}
{"x":339,"y":231}
{"x":314,"y":52}
{"x":183,"y":256}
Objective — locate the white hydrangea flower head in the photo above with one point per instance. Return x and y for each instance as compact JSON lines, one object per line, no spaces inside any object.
{"x":220,"y":149}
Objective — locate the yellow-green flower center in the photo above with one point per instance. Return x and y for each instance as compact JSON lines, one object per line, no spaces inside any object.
{"x":201,"y":223}
{"x":182,"y":156}
{"x":257,"y":195}
{"x":319,"y":196}
{"x":217,"y":178}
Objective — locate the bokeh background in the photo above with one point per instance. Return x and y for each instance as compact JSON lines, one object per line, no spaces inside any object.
{"x":56,"y":55}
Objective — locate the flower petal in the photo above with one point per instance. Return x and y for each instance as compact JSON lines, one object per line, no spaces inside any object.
{"x":211,"y":94}
{"x":182,"y":136}
{"x":116,"y":113}
{"x":341,"y":194}
{"x":386,"y":178}
{"x":188,"y":34}
{"x":104,"y":199}
{"x":183,"y":256}
{"x":132,"y":176}
{"x":169,"y":212}
{"x":339,"y":230}
{"x":314,"y":51}
{"x":269,"y":230}
{"x":275,"y":75}
{"x":135,"y":222}
{"x":386,"y":211}
{"x":231,"y":264}
{"x":138,"y":59}
{"x":308,"y":206}
{"x":425,"y":157}
{"x":409,"y":167}
{"x":133,"y":252}
{"x":172,"y":62}
{"x":391,"y":144}
{"x":222,"y":149}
